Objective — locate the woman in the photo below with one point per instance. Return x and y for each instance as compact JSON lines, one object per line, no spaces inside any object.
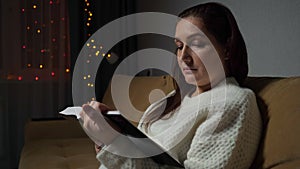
{"x":224,"y":132}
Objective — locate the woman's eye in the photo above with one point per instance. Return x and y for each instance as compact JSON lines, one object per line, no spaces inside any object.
{"x":198,"y":44}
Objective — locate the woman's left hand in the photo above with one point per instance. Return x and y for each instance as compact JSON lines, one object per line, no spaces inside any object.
{"x":95,"y":125}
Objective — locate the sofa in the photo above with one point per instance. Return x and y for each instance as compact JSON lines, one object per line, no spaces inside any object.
{"x":61,"y":144}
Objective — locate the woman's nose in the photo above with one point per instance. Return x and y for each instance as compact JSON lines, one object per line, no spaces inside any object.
{"x":185,"y":56}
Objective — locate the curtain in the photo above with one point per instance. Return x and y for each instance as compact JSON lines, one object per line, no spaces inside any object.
{"x":34,"y":67}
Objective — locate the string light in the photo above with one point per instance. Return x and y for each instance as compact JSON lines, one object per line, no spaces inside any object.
{"x":33,"y":22}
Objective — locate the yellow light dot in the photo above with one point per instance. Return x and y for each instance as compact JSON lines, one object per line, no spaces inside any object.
{"x":84,"y":77}
{"x":94,"y":47}
{"x":38,"y":31}
{"x":67,"y":70}
{"x":89,"y":76}
{"x":85,"y":0}
{"x":92,"y":85}
{"x":100,"y":47}
{"x":34,"y":6}
{"x":91,"y":14}
{"x":85,"y":9}
{"x":87,"y":4}
{"x":108,"y":55}
{"x":41,"y":66}
{"x":28,"y":27}
{"x":87,"y":24}
{"x":93,"y":99}
{"x":89,"y":19}
{"x":87,"y":44}
{"x":28,"y":65}
{"x":103,"y":54}
{"x":92,"y":40}
{"x":89,"y":84}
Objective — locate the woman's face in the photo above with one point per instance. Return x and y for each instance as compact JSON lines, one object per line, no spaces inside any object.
{"x":200,"y":57}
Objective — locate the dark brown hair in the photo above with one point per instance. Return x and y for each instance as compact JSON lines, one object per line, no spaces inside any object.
{"x":220,"y":22}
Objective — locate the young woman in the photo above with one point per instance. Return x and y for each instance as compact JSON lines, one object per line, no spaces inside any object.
{"x":215,"y":123}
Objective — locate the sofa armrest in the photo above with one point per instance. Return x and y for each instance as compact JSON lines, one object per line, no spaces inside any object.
{"x":47,"y":129}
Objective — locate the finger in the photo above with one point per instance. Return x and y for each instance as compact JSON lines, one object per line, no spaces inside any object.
{"x":99,"y":106}
{"x":82,"y":113}
{"x":92,"y":113}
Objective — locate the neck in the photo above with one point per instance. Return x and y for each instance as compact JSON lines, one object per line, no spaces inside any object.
{"x":201,"y":89}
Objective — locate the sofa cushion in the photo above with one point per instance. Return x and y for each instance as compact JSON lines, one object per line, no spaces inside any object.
{"x":279,"y":102}
{"x":59,"y":154}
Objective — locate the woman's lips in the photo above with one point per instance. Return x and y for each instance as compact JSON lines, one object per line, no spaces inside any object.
{"x":188,"y":70}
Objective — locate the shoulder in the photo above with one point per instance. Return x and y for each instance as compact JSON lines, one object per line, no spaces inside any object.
{"x":239,"y":95}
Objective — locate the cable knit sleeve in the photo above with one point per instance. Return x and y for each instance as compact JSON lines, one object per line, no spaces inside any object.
{"x":233,"y":142}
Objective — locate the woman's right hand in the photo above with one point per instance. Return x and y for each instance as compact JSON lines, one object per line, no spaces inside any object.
{"x":95,"y":125}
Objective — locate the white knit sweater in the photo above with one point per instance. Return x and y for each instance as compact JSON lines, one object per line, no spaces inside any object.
{"x":217,"y":129}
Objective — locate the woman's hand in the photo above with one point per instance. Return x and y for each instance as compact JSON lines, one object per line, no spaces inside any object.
{"x":94,"y":124}
{"x":97,"y":148}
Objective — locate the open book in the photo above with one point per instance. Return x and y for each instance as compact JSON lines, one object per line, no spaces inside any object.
{"x":127,"y":128}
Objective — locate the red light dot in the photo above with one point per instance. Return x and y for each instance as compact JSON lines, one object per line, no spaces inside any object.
{"x":19,"y":78}
{"x":50,"y":2}
{"x":24,"y":47}
{"x":43,"y":50}
{"x":53,"y":40}
{"x":52,"y":74}
{"x":35,"y":22}
{"x":62,"y":19}
{"x":23,"y":10}
{"x":36,"y":78}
